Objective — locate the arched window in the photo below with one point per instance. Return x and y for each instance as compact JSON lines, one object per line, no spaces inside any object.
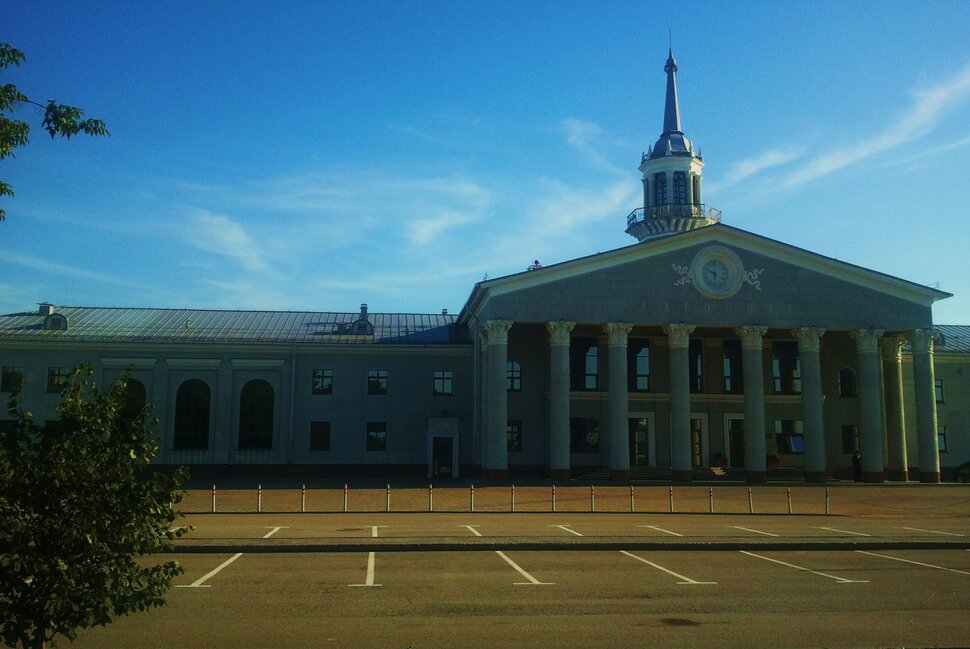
{"x":192,"y":415}
{"x":847,"y":383}
{"x":56,"y":322}
{"x":135,"y":399}
{"x":256,"y":416}
{"x":660,"y":189}
{"x":680,"y":188}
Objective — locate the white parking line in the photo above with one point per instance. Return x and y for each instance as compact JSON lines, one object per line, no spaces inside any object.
{"x":916,"y":529}
{"x":373,"y":530}
{"x":918,"y":563}
{"x":748,"y":529}
{"x":471,"y":528}
{"x":201,"y":580}
{"x":563,"y":527}
{"x":371,"y":559}
{"x":841,"y":580}
{"x":686,"y":580}
{"x":532,"y":580}
{"x":832,"y":529}
{"x":274,"y":530}
{"x":660,"y":529}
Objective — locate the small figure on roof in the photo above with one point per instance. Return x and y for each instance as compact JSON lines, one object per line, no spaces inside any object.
{"x":535,"y":265}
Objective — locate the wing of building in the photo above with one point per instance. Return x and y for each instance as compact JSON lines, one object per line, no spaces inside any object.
{"x":699,"y":346}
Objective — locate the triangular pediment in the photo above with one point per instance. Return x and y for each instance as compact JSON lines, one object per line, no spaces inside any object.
{"x":718,"y":275}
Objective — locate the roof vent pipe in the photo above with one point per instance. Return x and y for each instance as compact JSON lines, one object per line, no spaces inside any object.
{"x":363,"y":311}
{"x":46,"y":308}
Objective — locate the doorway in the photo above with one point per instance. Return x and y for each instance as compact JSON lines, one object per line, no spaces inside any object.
{"x":699,"y":442}
{"x":643,"y":439}
{"x":441,"y":460}
{"x":734,"y":442}
{"x":442,"y":447}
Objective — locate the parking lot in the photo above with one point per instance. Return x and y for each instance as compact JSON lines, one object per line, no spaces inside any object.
{"x":375,"y":584}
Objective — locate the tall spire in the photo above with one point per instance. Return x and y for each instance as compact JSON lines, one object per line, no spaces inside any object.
{"x":672,"y":105}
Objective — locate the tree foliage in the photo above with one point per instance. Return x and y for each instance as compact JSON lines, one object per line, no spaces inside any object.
{"x":80,"y":508}
{"x":59,"y":119}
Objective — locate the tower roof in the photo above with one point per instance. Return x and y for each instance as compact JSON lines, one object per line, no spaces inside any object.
{"x":672,"y":140}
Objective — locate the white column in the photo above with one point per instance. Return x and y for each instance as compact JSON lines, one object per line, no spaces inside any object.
{"x":496,"y":464}
{"x":812,"y":417}
{"x":618,"y":400}
{"x":892,"y":385}
{"x":872,"y":437}
{"x":926,"y":440}
{"x":559,"y":460}
{"x":755,"y":459}
{"x":678,"y":339}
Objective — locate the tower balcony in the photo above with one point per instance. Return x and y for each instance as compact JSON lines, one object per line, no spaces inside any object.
{"x":658,"y":220}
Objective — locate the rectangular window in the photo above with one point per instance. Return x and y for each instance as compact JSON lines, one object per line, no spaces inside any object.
{"x":377,"y":436}
{"x":11,"y":378}
{"x":680,"y":188}
{"x":444,"y":383}
{"x":731,"y":364}
{"x":319,"y":435}
{"x":850,"y":438}
{"x":789,"y":436}
{"x":513,"y":376}
{"x":322,"y":381}
{"x":938,"y":388}
{"x":786,"y":368}
{"x":638,"y":366}
{"x":584,"y":435}
{"x":695,"y":352}
{"x":57,"y":378}
{"x":583,"y":364}
{"x":514,"y":435}
{"x":941,"y":439}
{"x":376,"y":381}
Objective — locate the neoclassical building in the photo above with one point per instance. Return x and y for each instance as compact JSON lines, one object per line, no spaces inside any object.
{"x":701,"y":345}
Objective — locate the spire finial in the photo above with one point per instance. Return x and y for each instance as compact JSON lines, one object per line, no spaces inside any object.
{"x":672,"y":105}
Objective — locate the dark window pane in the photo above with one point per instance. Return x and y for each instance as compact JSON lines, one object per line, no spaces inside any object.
{"x":191,"y":429}
{"x":256,"y":416}
{"x":319,"y":435}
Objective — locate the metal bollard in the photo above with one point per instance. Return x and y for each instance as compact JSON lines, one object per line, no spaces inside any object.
{"x":592,"y":498}
{"x":670,"y":497}
{"x":213,"y":499}
{"x":513,"y":498}
{"x":259,"y":498}
{"x":471,"y":498}
{"x":827,"y":501}
{"x":303,"y":499}
{"x":710,"y":497}
{"x":750,"y":502}
{"x":387,"y":499}
{"x":553,"y":497}
{"x":789,"y":500}
{"x":345,"y":497}
{"x":430,"y":498}
{"x":633,"y":507}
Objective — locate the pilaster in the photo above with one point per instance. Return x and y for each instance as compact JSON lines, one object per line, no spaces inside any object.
{"x":618,"y":404}
{"x":559,"y":459}
{"x":755,"y":458}
{"x":872,"y":437}
{"x":812,"y":415}
{"x":678,"y":340}
{"x":496,"y":464}
{"x":925,"y":386}
{"x":892,"y":385}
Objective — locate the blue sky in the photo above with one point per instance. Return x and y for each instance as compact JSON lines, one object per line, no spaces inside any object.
{"x":317,"y":155}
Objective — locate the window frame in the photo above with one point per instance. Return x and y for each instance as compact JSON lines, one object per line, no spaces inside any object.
{"x":325,"y":384}
{"x":850,"y":429}
{"x":938,"y":390}
{"x":443,"y":383}
{"x":513,"y":432}
{"x":848,"y":389}
{"x":638,"y":366}
{"x":60,"y":376}
{"x":9,"y":375}
{"x":660,"y":188}
{"x":941,"y":438}
{"x":318,"y":429}
{"x":732,"y":367}
{"x":581,"y":431}
{"x":786,"y":371}
{"x":797,"y":431}
{"x":377,"y":382}
{"x":376,"y":437}
{"x":513,"y":376}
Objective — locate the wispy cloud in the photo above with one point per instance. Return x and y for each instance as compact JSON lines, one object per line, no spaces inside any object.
{"x":48,"y":266}
{"x":586,"y":137}
{"x":751,"y":166}
{"x":218,"y":234}
{"x":919,"y":119}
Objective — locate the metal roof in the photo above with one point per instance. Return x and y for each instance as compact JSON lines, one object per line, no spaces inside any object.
{"x":955,"y":339}
{"x":211,"y":326}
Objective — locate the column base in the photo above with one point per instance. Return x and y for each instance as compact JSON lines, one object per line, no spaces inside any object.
{"x":558,"y":474}
{"x":816,"y":477}
{"x":620,"y":475}
{"x":495,"y":475}
{"x":756,"y":477}
{"x":680,"y":475}
{"x":929,"y":477}
{"x":898,"y":476}
{"x":873,"y":477}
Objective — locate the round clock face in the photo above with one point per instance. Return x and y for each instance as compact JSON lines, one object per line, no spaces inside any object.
{"x":717,"y":272}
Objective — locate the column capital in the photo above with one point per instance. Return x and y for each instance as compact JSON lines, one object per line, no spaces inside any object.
{"x":892,"y":347}
{"x":616,"y":333}
{"x":808,"y":338}
{"x":559,"y":331}
{"x":923,"y":340}
{"x":751,"y":336}
{"x":867,"y":340}
{"x":497,"y":331}
{"x":678,"y":335}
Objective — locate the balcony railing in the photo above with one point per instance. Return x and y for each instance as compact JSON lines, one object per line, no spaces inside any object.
{"x":676,"y":211}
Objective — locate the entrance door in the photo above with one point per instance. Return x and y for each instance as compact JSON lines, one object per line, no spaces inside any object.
{"x":639,"y":449}
{"x":441,"y":457}
{"x":735,"y":430}
{"x":699,"y":445}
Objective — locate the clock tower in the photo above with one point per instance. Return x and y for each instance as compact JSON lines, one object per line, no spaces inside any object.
{"x":671,"y":171}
